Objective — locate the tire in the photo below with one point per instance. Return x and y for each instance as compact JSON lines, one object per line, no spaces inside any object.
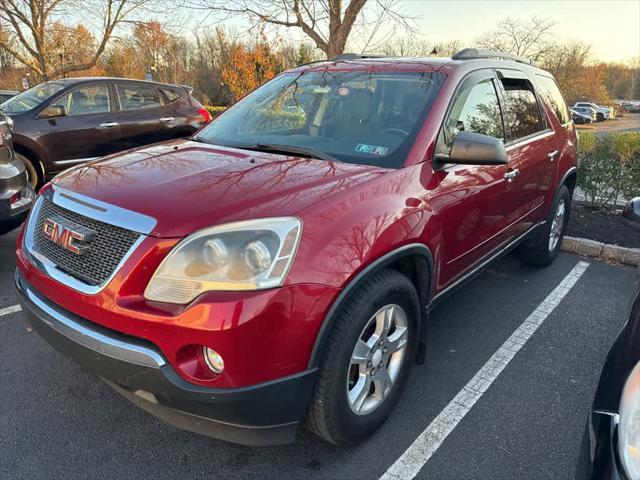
{"x":35,"y":171}
{"x":599,"y":117}
{"x":331,"y":415}
{"x":541,"y":250}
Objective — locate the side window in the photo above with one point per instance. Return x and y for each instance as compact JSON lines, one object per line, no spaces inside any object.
{"x":552,"y":94}
{"x":135,"y":97}
{"x":170,"y":94}
{"x":522,"y":110}
{"x":85,"y":100}
{"x":475,"y":109}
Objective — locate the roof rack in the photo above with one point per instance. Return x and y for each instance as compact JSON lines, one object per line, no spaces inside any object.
{"x":474,"y":54}
{"x":353,"y":56}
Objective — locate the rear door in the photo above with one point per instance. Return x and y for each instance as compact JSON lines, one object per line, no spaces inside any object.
{"x":88,"y":130}
{"x":531,"y":147}
{"x":142,"y":115}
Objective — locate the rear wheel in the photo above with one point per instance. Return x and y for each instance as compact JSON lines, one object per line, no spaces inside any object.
{"x":366,"y":359}
{"x":543,"y":248}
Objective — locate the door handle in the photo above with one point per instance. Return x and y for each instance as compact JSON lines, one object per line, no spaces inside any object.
{"x":552,"y":155}
{"x":512,"y":174}
{"x":109,"y":124}
{"x":167,"y":119}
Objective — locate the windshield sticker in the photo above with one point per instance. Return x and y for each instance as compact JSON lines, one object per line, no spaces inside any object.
{"x":372,"y":149}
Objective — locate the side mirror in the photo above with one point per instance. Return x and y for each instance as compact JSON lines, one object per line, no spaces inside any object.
{"x":53,"y":111}
{"x":631,"y":214}
{"x":470,"y":148}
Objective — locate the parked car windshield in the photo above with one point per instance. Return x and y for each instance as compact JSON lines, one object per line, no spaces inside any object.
{"x":30,"y":99}
{"x":363,"y":117}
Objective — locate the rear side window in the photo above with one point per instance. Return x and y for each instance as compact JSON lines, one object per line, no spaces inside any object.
{"x":475,"y":109}
{"x":522,"y":110}
{"x":135,"y":97}
{"x":551,"y":92}
{"x":170,"y":94}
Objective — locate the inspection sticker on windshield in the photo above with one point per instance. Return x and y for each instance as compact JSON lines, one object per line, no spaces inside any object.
{"x":372,"y":149}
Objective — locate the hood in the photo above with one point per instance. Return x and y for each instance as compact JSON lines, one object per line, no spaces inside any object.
{"x":187,"y":186}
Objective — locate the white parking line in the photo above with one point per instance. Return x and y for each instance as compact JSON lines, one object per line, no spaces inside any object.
{"x":428,"y":442}
{"x":8,"y":310}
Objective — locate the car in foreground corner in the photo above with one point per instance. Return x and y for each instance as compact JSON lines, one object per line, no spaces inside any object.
{"x":279,"y":267}
{"x":61,"y":123}
{"x":611,"y":442}
{"x":16,"y":195}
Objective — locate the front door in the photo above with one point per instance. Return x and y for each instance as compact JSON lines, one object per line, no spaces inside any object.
{"x":472,"y":202}
{"x":88,"y":129}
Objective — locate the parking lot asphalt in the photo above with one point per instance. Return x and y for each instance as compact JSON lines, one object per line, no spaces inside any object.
{"x":58,"y":421}
{"x":630,"y":122}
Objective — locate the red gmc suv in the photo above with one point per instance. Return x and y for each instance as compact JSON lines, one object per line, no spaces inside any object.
{"x":280,"y":265}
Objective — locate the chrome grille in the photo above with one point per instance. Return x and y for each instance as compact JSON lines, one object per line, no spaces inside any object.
{"x":108,"y":246}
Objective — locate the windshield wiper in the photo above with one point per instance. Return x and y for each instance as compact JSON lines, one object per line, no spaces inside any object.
{"x":301,"y":151}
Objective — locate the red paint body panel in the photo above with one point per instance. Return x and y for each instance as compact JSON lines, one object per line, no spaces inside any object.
{"x":351,"y":214}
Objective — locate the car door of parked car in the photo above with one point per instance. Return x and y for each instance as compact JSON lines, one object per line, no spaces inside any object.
{"x":532,"y":147}
{"x":474,"y":203}
{"x":88,"y":129}
{"x":142,"y":116}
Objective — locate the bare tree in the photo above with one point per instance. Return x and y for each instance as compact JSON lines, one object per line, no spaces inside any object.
{"x":328,"y":23}
{"x":28,"y":24}
{"x":527,"y":38}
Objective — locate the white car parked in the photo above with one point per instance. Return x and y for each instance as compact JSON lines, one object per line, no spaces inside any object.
{"x":602,"y":113}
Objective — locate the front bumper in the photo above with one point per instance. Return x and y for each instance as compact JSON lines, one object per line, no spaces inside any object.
{"x":264,"y":414}
{"x":598,"y":458}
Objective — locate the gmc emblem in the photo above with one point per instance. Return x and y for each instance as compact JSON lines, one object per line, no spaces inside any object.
{"x":66,"y":234}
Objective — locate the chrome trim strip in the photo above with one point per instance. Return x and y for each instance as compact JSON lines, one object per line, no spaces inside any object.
{"x":544,"y":134}
{"x":101,"y":211}
{"x":83,"y":205}
{"x":96,"y":341}
{"x":74,"y":161}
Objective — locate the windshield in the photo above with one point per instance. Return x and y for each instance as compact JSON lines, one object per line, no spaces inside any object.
{"x":364,"y":117}
{"x":30,"y":99}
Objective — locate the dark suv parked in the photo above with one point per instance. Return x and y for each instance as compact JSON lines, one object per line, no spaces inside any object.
{"x":61,"y":123}
{"x":284,"y":266}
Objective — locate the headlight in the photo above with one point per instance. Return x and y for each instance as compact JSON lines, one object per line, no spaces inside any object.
{"x":629,"y":426}
{"x":249,"y":255}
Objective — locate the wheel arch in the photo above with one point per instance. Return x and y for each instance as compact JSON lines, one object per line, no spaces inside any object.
{"x":413,"y":260}
{"x":570,"y":179}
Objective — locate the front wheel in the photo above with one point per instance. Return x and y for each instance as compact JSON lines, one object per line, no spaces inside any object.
{"x":543,"y":248}
{"x":366,"y":359}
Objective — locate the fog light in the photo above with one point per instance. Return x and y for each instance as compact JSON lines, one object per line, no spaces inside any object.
{"x":213,"y":359}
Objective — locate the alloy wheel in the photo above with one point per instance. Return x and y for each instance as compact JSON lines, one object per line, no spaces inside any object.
{"x":557,"y":226}
{"x":377,"y":359}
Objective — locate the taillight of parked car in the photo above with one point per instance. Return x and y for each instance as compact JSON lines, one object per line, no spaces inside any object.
{"x":204,"y":114}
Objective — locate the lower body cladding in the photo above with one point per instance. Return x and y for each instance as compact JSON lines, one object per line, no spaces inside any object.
{"x":264,"y":414}
{"x":598,"y":458}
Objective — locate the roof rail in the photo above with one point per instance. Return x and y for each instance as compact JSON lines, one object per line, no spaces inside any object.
{"x":353,"y":56}
{"x":474,"y":54}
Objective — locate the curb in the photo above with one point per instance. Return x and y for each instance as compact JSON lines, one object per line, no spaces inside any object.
{"x":602,"y":251}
